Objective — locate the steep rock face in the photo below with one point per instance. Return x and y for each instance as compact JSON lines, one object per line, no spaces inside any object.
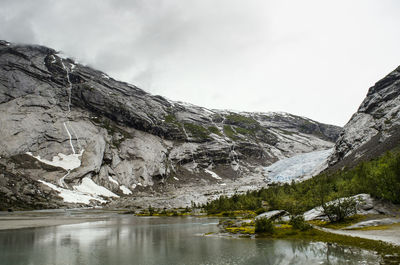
{"x":62,"y":121}
{"x":374,"y":128}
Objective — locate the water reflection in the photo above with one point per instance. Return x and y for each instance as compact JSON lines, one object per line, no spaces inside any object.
{"x":133,"y":240}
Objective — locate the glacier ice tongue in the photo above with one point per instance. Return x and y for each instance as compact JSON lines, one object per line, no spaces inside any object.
{"x":303,"y":165}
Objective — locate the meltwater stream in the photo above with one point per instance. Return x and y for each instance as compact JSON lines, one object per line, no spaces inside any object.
{"x":140,"y":240}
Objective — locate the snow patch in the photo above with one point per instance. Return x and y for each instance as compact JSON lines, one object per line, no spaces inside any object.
{"x":112,"y":180}
{"x":67,"y":162}
{"x":125,"y":190}
{"x":302,"y":165}
{"x":72,"y":196}
{"x":88,"y":186}
{"x":213,"y":174}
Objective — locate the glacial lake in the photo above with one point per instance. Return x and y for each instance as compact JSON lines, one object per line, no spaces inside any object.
{"x":152,"y":240}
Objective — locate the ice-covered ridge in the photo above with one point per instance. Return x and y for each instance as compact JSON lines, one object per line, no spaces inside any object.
{"x":88,"y":186}
{"x":67,"y":162}
{"x":303,"y":165}
{"x":73,"y":196}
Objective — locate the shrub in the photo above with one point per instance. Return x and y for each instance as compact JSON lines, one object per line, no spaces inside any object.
{"x":260,"y":211}
{"x":264,"y":225}
{"x":151,"y":210}
{"x":297,"y":222}
{"x":340,"y":209}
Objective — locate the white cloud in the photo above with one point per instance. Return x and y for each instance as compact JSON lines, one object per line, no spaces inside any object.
{"x":314,"y":58}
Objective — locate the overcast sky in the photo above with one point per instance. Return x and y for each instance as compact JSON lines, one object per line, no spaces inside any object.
{"x":313,"y":58}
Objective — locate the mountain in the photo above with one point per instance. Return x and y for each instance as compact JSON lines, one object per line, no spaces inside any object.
{"x":374,"y":128}
{"x":71,"y":134}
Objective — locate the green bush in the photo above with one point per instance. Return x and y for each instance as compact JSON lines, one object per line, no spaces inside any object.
{"x":264,"y":225}
{"x":337,"y":211}
{"x":151,"y":210}
{"x":260,"y":211}
{"x":297,"y":222}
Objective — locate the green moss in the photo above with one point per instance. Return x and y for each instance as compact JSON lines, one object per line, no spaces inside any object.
{"x":228,"y":131}
{"x":215,"y":130}
{"x":237,"y":118}
{"x":197,"y":131}
{"x":170,"y":118}
{"x":244,"y":131}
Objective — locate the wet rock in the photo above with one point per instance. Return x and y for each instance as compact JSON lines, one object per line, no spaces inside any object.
{"x":272,"y":214}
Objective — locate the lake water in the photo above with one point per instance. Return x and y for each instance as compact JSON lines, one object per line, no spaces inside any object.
{"x":158,"y":241}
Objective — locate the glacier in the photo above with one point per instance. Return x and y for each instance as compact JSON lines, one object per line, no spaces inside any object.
{"x":300,"y":166}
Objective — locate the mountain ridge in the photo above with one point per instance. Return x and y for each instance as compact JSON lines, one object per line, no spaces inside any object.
{"x":67,"y":122}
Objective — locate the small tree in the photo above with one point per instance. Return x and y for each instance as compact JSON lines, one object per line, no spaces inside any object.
{"x":297,"y":222}
{"x":151,"y":210}
{"x":264,"y":225}
{"x":340,"y":209}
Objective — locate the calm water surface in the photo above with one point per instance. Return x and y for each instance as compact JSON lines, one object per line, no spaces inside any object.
{"x":141,"y":240}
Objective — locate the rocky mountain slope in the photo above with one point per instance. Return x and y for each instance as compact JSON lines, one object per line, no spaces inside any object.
{"x":374,"y":128}
{"x":71,"y":134}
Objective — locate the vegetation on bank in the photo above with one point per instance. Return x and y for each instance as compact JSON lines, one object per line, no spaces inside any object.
{"x":379,"y":177}
{"x":150,"y":211}
{"x":297,"y":228}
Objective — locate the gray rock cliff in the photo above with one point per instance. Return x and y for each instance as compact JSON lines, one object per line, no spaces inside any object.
{"x":65,"y":126}
{"x":374,"y":128}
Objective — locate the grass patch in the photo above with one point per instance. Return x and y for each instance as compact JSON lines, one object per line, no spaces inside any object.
{"x":228,"y":131}
{"x":235,"y":214}
{"x":241,"y":230}
{"x":240,"y":119}
{"x":214,"y":130}
{"x":197,"y":131}
{"x":244,"y":131}
{"x":345,"y":223}
{"x":170,"y":118}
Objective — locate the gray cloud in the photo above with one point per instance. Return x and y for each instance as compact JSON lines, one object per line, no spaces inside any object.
{"x":313,"y":58}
